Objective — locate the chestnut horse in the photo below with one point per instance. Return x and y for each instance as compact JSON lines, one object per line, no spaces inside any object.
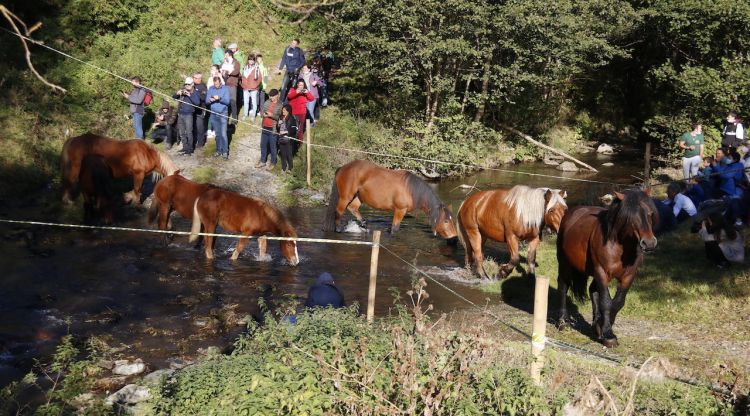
{"x":510,"y":216}
{"x":96,"y":187}
{"x":248,"y":216}
{"x":606,"y":244}
{"x":126,"y":158}
{"x":174,"y":193}
{"x":362,"y":181}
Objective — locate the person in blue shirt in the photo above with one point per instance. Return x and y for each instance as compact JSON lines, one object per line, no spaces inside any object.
{"x":188,"y":99}
{"x":324,"y":293}
{"x":293,"y":58}
{"x":217,"y":100}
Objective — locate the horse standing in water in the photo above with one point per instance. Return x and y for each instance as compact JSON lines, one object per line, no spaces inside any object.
{"x":362,"y":181}
{"x":510,"y":216}
{"x":175,"y":193}
{"x":248,"y":216}
{"x":125,"y":158}
{"x":96,"y":187}
{"x":606,"y":244}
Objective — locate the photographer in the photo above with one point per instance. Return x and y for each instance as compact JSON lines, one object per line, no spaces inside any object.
{"x":724,"y":245}
{"x":298,"y":99}
{"x":188,"y":99}
{"x":162,"y":129}
{"x":285,"y":131}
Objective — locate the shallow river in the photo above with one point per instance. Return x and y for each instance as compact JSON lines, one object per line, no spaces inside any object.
{"x":163,"y":303}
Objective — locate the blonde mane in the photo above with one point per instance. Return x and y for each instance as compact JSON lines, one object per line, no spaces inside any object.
{"x":165,"y":167}
{"x":528,"y":204}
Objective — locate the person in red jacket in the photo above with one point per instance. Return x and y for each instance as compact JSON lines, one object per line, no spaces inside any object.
{"x":298,"y":99}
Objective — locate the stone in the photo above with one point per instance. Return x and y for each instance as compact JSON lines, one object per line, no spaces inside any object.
{"x":126,"y":368}
{"x":110,"y":383}
{"x":567,"y":167}
{"x":552,"y":159}
{"x":318,"y":197}
{"x":156,"y":376}
{"x":605,"y":149}
{"x":128,"y":396}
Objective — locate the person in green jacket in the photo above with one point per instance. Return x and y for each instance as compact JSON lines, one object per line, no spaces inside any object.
{"x":692,"y":145}
{"x":217,"y":55}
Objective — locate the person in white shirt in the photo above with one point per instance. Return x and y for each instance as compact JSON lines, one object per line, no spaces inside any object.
{"x":724,"y":245}
{"x":682,"y":206}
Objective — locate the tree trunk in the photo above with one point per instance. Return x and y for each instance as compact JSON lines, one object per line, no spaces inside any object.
{"x":466,"y":93}
{"x":485,"y":88}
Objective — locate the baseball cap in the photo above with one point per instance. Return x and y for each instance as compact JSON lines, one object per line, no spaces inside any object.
{"x":189,"y":80}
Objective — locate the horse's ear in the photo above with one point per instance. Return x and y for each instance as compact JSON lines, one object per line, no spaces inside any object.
{"x":177,"y":172}
{"x":547,"y":195}
{"x":563,"y":194}
{"x":620,"y":195}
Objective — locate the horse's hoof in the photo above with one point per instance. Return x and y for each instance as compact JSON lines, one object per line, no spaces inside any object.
{"x":363,"y":224}
{"x":610,"y":342}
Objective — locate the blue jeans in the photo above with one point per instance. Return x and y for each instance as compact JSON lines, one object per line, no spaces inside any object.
{"x":311,"y":111}
{"x":138,"y":125}
{"x":267,"y":140}
{"x":219,"y":124}
{"x":247,"y":97}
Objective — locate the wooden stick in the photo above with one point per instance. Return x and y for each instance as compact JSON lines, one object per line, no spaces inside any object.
{"x":262,"y":247}
{"x":538,"y":331}
{"x":373,"y":275}
{"x":551,"y":149}
{"x":309,"y":157}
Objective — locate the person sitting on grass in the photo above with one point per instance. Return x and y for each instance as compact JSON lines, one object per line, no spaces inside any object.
{"x":324,"y":293}
{"x":163,"y":127}
{"x":724,"y":245}
{"x":673,"y":210}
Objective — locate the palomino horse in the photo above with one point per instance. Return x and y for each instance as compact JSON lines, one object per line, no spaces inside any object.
{"x":248,"y":216}
{"x":606,"y":244}
{"x":174,"y":193}
{"x":509,"y":215}
{"x":362,"y":181}
{"x":96,"y":187}
{"x":126,"y":158}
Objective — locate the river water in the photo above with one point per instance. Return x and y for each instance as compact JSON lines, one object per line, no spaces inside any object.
{"x":166,"y":302}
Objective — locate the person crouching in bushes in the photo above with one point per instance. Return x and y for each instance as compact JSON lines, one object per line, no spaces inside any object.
{"x":286,"y":131}
{"x":724,"y":245}
{"x":163,"y":127}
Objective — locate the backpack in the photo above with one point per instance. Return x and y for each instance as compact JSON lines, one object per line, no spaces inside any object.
{"x":148,"y":98}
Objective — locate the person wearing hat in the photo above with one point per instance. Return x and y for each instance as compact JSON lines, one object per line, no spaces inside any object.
{"x":324,"y":293}
{"x":237,"y":54}
{"x":188,"y":100}
{"x":162,"y":129}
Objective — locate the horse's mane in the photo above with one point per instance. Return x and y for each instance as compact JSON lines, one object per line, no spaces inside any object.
{"x":528,"y":204}
{"x":423,"y":196}
{"x":164,"y":167}
{"x":285,"y":227}
{"x":623,"y":215}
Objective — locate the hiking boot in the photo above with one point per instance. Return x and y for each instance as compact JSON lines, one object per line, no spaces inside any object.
{"x":270,"y":166}
{"x":225,"y":156}
{"x":259,"y":165}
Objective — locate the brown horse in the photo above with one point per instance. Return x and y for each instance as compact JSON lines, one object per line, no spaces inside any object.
{"x":606,"y":244}
{"x":126,"y":158}
{"x":510,"y":216}
{"x":362,"y":181}
{"x":174,"y":193}
{"x":248,"y":216}
{"x":96,"y":187}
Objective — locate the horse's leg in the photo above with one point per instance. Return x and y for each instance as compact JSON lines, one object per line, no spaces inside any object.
{"x":354,"y":209}
{"x":398,"y":216}
{"x":69,"y":181}
{"x":209,"y":228}
{"x":595,"y":308}
{"x":564,"y":274}
{"x":137,"y":184}
{"x":341,"y":205}
{"x":164,"y":210}
{"x":515,"y":256}
{"x":531,"y":256}
{"x":608,"y":337}
{"x":240,"y":246}
{"x":474,"y":244}
{"x":618,"y":302}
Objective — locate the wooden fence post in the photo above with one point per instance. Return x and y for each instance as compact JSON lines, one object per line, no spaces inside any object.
{"x":647,"y":166}
{"x":373,"y":275}
{"x":309,"y":157}
{"x":262,"y":246}
{"x":538,"y":331}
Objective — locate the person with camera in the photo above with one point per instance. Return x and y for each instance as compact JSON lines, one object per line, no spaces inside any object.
{"x":200,"y":113}
{"x":286,"y":130}
{"x":162,"y":129}
{"x":312,"y":79}
{"x":692,"y":145}
{"x":188,"y":100}
{"x":724,"y":245}
{"x":293,"y":58}
{"x":136,"y":98}
{"x":268,"y":138}
{"x":298,"y":99}
{"x":218,"y":100}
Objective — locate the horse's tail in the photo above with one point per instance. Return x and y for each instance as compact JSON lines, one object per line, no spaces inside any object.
{"x":329,"y":224}
{"x":460,"y":230}
{"x":153,"y":209}
{"x":65,"y":171}
{"x":578,"y":285}
{"x":196,"y":228}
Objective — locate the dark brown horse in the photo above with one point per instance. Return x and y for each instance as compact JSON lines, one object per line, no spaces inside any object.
{"x":362,"y":181}
{"x":127,"y":158}
{"x":606,"y":244}
{"x":510,"y":216}
{"x":96,"y":187}
{"x":174,"y":193}
{"x":248,"y":216}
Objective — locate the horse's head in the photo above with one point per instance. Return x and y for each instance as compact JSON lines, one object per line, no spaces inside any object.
{"x":289,"y":251}
{"x":554,"y":208}
{"x":639,"y":210}
{"x":445,"y":226}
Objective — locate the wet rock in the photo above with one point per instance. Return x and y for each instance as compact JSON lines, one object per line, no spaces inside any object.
{"x":106,"y":364}
{"x":128,"y":396}
{"x":178,"y":363}
{"x":126,"y":368}
{"x":156,"y":376}
{"x":110,"y":383}
{"x":553,"y":159}
{"x":605,"y":149}
{"x":567,"y":167}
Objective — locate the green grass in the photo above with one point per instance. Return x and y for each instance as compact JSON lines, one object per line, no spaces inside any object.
{"x":204,"y":174}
